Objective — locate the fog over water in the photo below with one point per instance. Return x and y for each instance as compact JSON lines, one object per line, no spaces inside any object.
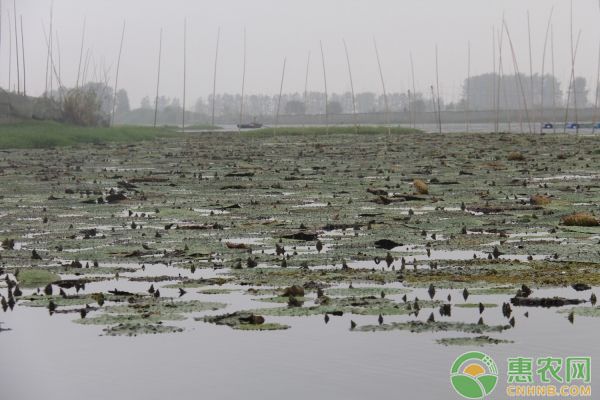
{"x":292,"y":29}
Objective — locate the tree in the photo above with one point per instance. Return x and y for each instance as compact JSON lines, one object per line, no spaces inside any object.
{"x":295,"y":107}
{"x":122,"y":102}
{"x":145,"y":104}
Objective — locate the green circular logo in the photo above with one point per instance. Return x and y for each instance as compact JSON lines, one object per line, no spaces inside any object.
{"x":474,"y":375}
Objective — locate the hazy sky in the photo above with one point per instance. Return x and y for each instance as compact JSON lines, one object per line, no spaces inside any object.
{"x":293,"y":28}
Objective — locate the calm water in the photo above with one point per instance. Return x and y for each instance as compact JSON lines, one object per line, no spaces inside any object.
{"x":311,"y":360}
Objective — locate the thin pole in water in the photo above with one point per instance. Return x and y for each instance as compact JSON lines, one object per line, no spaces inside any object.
{"x":516,"y":66}
{"x":17,"y":47}
{"x":10,"y":51}
{"x":543,"y":70}
{"x":531,"y":99}
{"x":553,"y":80}
{"x":117,"y":76}
{"x":243,"y":83}
{"x":212,"y":120}
{"x":351,"y":87}
{"x":306,"y":90}
{"x":468,"y":96}
{"x":385,"y":100}
{"x":437,"y":84}
{"x":23,"y":53}
{"x":414,"y":92}
{"x":325,"y":84}
{"x":80,"y":53}
{"x":158,"y":77}
{"x":494,"y":86}
{"x":184,"y":71}
{"x":595,"y":118}
{"x":279,"y":99}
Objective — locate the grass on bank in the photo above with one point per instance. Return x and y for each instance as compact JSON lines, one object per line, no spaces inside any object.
{"x":332,"y":130}
{"x":46,"y":134}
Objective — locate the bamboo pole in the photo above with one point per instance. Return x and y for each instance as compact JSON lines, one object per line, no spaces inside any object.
{"x":17,"y":47}
{"x":553,"y":81}
{"x":114,"y":105}
{"x":243,"y":84}
{"x":351,"y":87}
{"x":23,"y":54}
{"x":385,"y":99}
{"x":9,"y":52}
{"x":414,"y":92}
{"x":544,"y":70}
{"x":215,"y":77}
{"x":306,"y":91}
{"x":437,"y":84}
{"x":81,"y":53}
{"x":595,"y":117}
{"x":158,"y":77}
{"x":516,"y":66}
{"x":467,"y":97}
{"x":572,"y":88}
{"x":279,"y":100}
{"x":184,"y":72}
{"x":531,"y":99}
{"x":501,"y":80}
{"x":325,"y":84}
{"x":495,"y":89}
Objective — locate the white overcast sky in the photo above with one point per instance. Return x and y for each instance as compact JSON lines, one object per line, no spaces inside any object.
{"x":293,"y":28}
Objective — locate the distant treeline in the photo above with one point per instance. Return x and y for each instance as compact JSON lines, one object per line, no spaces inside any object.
{"x":479,"y":93}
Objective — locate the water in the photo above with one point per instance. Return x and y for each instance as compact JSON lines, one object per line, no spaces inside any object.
{"x":53,"y":358}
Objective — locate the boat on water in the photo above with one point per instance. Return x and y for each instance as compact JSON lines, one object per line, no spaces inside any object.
{"x":251,"y":125}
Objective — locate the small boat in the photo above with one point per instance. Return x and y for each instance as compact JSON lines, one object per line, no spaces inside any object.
{"x":573,"y":125}
{"x":548,"y":125}
{"x":251,"y":125}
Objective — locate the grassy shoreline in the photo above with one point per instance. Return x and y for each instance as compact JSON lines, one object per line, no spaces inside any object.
{"x":46,"y":134}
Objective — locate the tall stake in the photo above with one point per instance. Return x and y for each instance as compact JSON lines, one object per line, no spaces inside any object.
{"x":184,"y":72}
{"x":212,"y":121}
{"x":572,"y":88}
{"x":23,"y":53}
{"x":595,"y":118}
{"x":500,"y":81}
{"x":279,"y":99}
{"x":17,"y":47}
{"x":9,"y":52}
{"x":414,"y":92}
{"x":351,"y":87}
{"x":117,"y":76}
{"x":543,"y":71}
{"x":325,"y":84}
{"x":469,"y":85}
{"x":243,"y":83}
{"x":553,"y":81}
{"x":516,"y":65}
{"x":80,"y":53}
{"x":437,"y":84}
{"x":385,"y":99}
{"x":530,"y":66}
{"x":306,"y":89}
{"x":158,"y":77}
{"x":495,"y":88}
